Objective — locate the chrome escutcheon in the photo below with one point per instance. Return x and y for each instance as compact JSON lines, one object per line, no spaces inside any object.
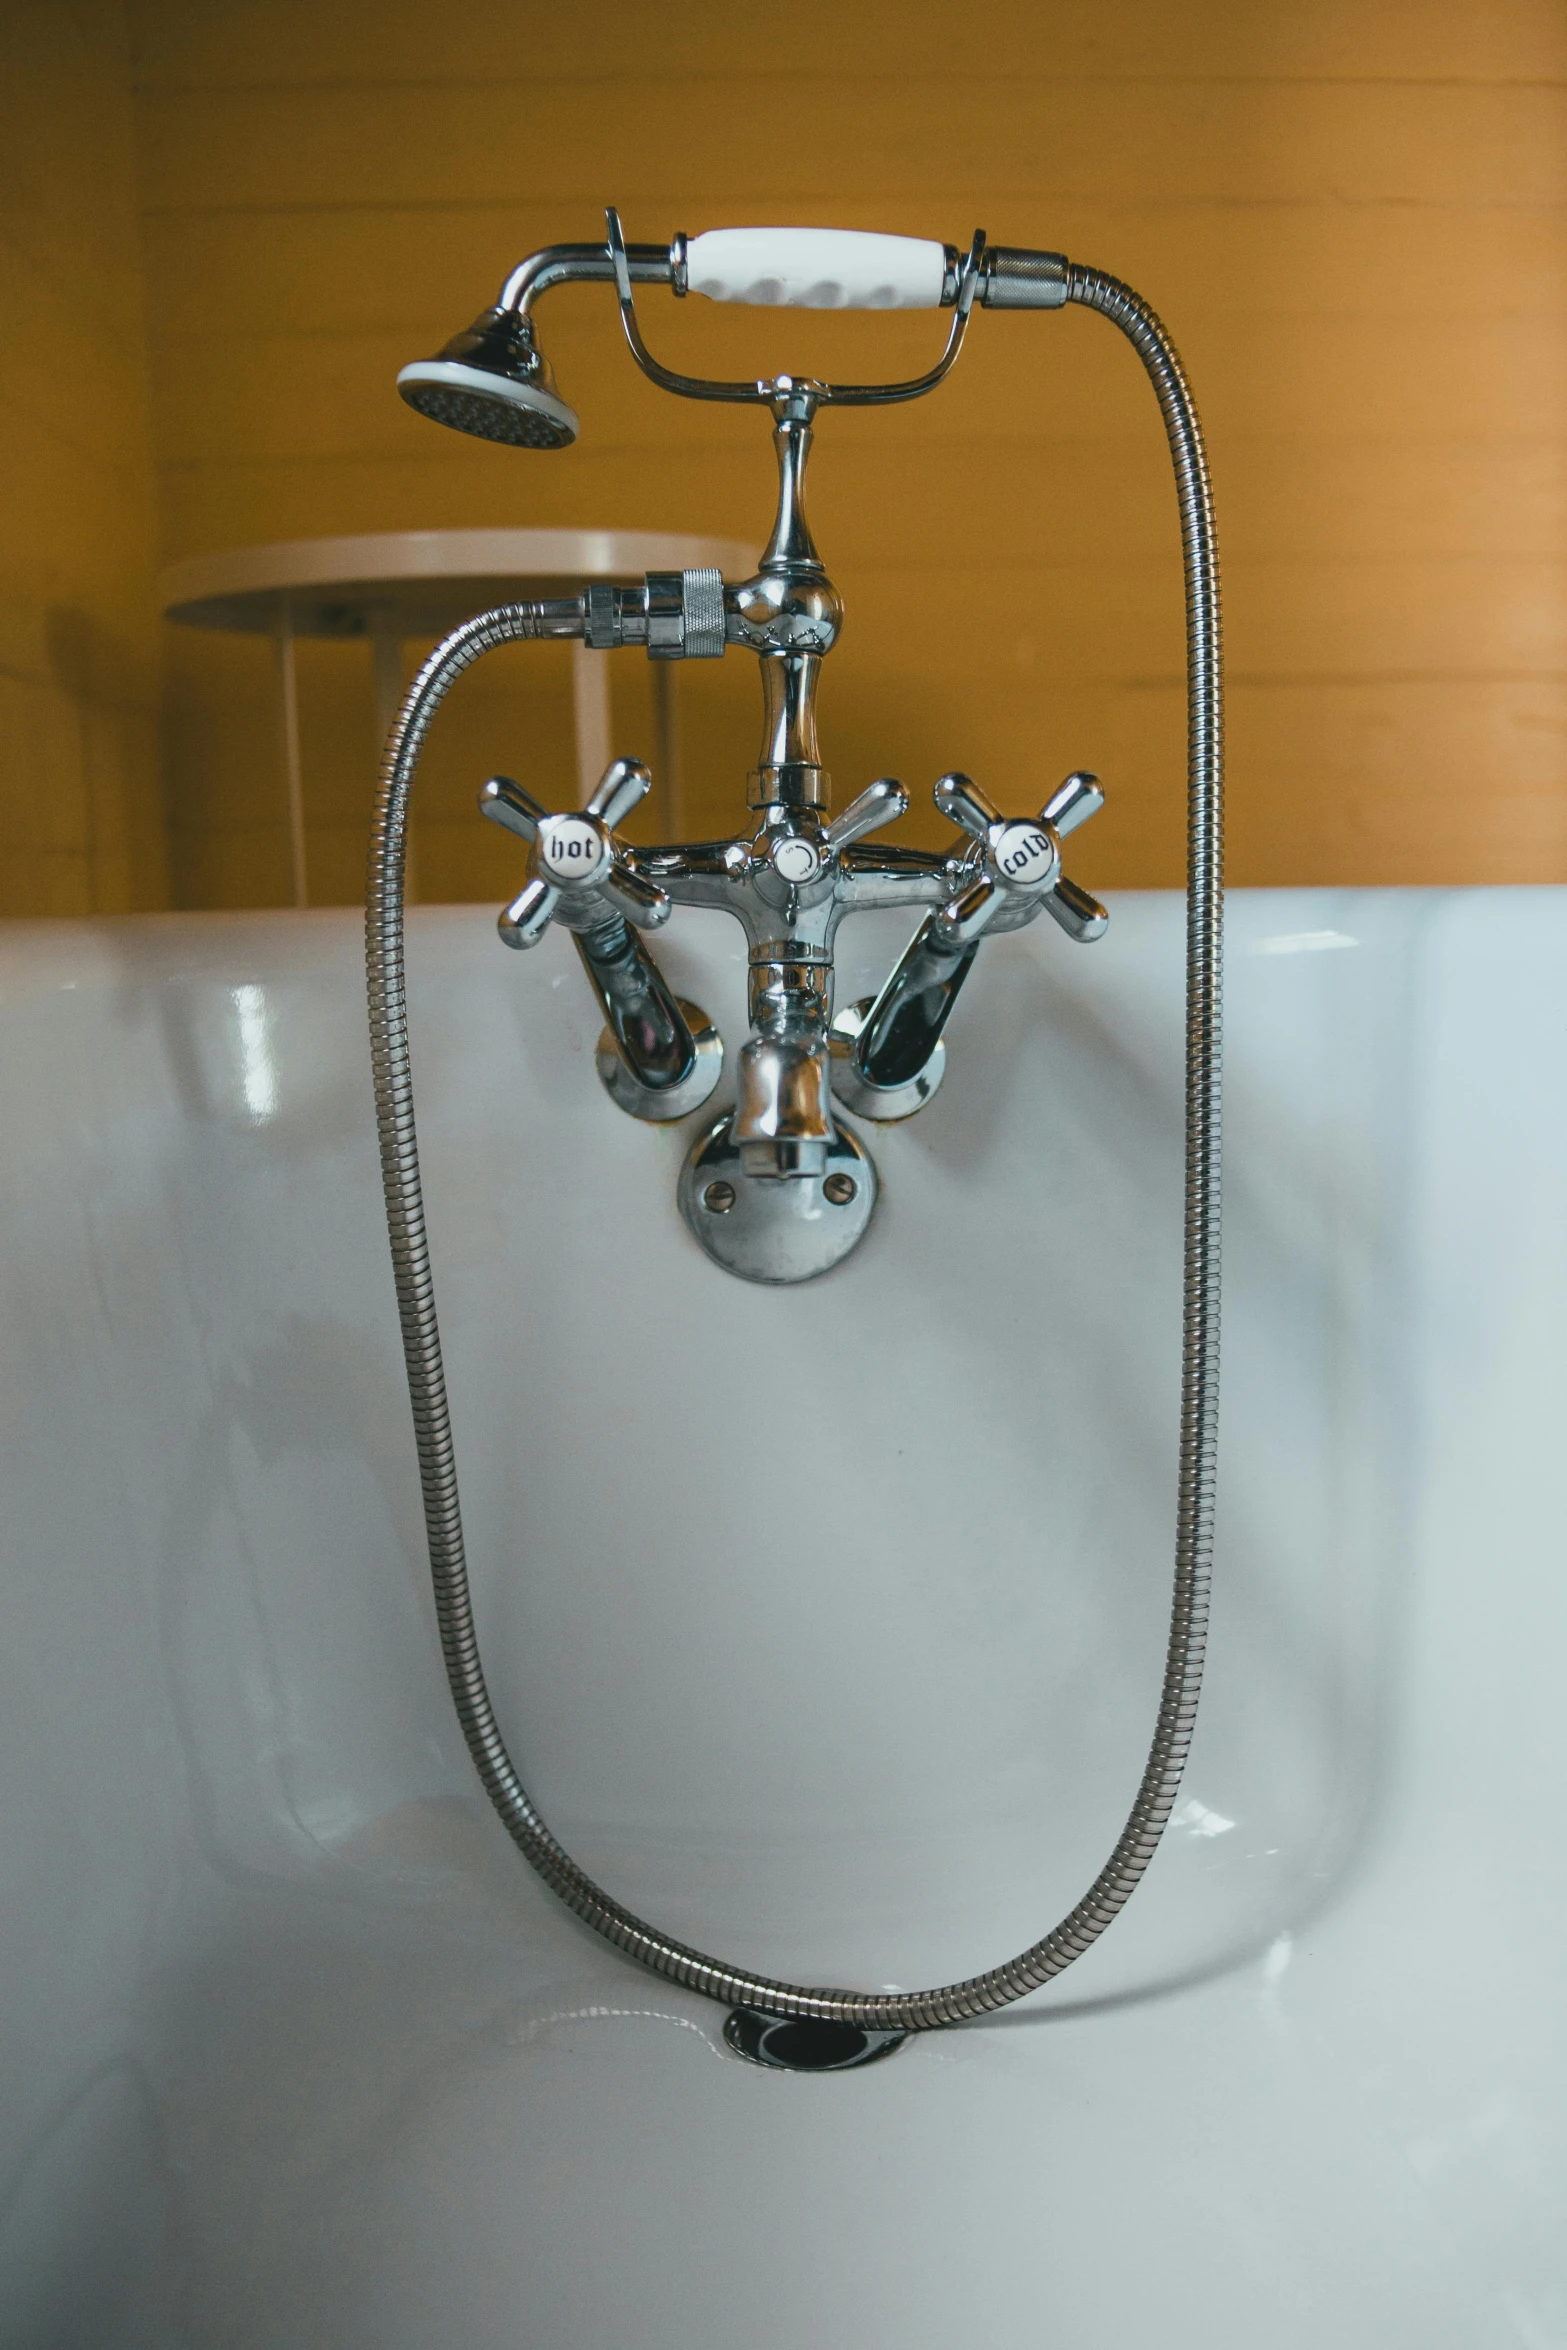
{"x":777,"y":1228}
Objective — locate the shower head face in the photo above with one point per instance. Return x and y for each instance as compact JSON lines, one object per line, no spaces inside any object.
{"x":491,"y":410}
{"x":492,"y":381}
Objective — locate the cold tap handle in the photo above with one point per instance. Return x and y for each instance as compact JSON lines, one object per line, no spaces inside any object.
{"x":965,"y":918}
{"x":879,"y":803}
{"x":961,"y":801}
{"x":1078,"y":798}
{"x":1082,"y":918}
{"x":1020,"y":867}
{"x":1010,"y":874}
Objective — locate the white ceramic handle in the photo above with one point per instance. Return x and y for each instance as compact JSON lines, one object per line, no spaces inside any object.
{"x":817,"y":269}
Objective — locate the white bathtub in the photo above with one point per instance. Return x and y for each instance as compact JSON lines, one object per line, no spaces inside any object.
{"x":826,"y":1625}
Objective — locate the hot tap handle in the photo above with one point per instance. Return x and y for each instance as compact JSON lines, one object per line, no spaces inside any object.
{"x":622,"y":784}
{"x":505,"y":802}
{"x":524,"y":922}
{"x":578,"y":870}
{"x":640,"y":900}
{"x":879,"y":803}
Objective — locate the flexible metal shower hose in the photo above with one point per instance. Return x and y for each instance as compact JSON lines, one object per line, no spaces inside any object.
{"x":949,"y":2003}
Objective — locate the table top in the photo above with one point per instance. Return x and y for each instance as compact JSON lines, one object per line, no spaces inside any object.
{"x":418,"y":583}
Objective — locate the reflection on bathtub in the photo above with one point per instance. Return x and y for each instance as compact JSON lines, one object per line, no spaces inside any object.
{"x":1198,"y":1820}
{"x":257,"y":1069}
{"x":1302,"y":942}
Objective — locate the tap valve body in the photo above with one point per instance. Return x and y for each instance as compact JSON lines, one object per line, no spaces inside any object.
{"x":772,"y":1163}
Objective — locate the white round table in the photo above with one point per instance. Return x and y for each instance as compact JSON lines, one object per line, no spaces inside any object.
{"x":395,"y":585}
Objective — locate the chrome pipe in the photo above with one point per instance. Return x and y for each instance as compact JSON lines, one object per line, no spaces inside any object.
{"x":650,"y":1031}
{"x":565,"y":265}
{"x":904,"y":1025}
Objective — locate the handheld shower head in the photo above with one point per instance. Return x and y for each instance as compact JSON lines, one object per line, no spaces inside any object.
{"x":494,"y":382}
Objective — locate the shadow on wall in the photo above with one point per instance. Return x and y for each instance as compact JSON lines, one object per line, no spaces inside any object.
{"x":81,"y":815}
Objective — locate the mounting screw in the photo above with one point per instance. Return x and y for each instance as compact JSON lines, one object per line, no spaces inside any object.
{"x":840,"y":1189}
{"x":720,"y":1197}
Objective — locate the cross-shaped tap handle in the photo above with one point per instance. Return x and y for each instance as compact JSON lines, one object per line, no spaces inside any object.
{"x":879,"y":803}
{"x":579,"y":871}
{"x":1020,"y":874}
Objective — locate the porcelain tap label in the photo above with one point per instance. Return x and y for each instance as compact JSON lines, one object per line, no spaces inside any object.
{"x":795,"y":860}
{"x":1024,"y":856}
{"x":571,"y":851}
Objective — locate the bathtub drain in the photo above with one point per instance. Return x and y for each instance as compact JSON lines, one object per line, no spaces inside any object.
{"x":805,"y":2044}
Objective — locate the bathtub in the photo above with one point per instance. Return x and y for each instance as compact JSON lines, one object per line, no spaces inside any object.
{"x":826,"y":1625}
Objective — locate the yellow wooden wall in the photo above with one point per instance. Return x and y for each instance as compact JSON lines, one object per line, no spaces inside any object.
{"x":1349,"y":211}
{"x":81,"y":818}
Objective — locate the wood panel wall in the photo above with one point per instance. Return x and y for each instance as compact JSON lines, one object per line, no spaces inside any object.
{"x":81,"y":818}
{"x":1349,"y":211}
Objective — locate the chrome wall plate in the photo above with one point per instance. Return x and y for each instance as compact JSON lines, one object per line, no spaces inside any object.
{"x":777,"y":1228}
{"x":884,"y":1103}
{"x":671,"y":1101}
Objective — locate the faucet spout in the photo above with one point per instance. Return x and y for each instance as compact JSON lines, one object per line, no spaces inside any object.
{"x":783,"y":1118}
{"x":783,"y":1123}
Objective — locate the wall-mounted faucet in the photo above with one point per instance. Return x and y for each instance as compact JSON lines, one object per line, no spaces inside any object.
{"x":778,"y":1189}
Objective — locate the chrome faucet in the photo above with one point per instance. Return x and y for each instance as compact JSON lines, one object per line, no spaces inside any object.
{"x":778,"y":1189}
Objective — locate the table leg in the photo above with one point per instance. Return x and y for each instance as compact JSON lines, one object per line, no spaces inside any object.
{"x":288,"y":719}
{"x":590,"y":706}
{"x":666,"y":748}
